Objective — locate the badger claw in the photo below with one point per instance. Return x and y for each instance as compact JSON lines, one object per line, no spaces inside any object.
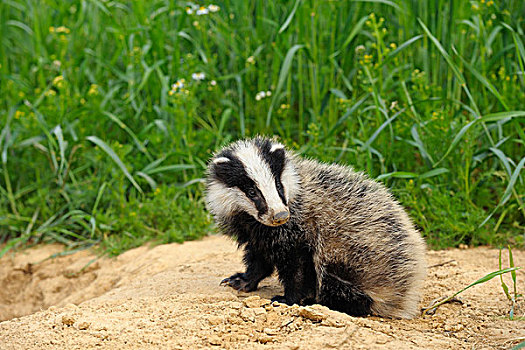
{"x":280,"y":299}
{"x":238,"y":282}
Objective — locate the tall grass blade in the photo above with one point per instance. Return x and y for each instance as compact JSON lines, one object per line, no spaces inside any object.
{"x":378,"y":131}
{"x":356,"y":30}
{"x":385,"y":2}
{"x":398,"y":174}
{"x":520,"y":48}
{"x":174,"y":167}
{"x":400,"y":48}
{"x":483,"y":81}
{"x":109,"y":151}
{"x":130,"y":132}
{"x":434,"y":172}
{"x":508,"y":190}
{"x":487,"y":118}
{"x":503,"y":159}
{"x":285,"y":70}
{"x":290,"y":17}
{"x":61,"y":147}
{"x":452,"y":65}
{"x":345,"y":116}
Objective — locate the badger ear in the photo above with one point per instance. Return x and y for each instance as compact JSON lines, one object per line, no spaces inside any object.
{"x":276,"y":147}
{"x":220,"y":160}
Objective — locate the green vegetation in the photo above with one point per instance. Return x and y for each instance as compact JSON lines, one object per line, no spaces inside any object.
{"x":512,"y":294}
{"x":109,"y":110}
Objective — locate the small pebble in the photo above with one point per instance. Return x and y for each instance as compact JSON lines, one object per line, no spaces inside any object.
{"x":83,"y":325}
{"x":311,"y":314}
{"x":271,"y":331}
{"x":263,"y":339}
{"x":255,"y":301}
{"x":214,"y":340}
{"x":68,"y":320}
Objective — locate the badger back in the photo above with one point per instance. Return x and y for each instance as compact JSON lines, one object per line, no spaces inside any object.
{"x":255,"y":176}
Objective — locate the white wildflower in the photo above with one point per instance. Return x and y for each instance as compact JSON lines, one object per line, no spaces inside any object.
{"x":178,"y":86}
{"x":202,"y":11}
{"x":198,"y":76}
{"x":213,"y":83}
{"x":213,"y":8}
{"x":250,"y":60}
{"x":262,"y":94}
{"x":189,"y":10}
{"x":393,"y":105}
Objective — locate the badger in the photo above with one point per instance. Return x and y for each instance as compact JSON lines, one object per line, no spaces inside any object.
{"x":334,"y":236}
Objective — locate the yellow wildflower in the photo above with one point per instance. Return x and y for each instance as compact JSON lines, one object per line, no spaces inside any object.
{"x":63,"y":29}
{"x":93,"y":90}
{"x":59,"y":81}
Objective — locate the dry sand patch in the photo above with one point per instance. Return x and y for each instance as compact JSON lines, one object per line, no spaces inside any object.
{"x":169,"y":297}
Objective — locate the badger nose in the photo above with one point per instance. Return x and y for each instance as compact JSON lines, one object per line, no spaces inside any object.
{"x":281,"y":217}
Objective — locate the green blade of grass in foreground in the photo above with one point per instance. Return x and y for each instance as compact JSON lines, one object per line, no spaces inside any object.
{"x":483,"y":279}
{"x":519,"y":346}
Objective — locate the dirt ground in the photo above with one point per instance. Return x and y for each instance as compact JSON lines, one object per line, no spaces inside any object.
{"x":169,"y":297}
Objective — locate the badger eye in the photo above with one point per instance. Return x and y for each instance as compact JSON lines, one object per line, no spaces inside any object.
{"x":251,"y":193}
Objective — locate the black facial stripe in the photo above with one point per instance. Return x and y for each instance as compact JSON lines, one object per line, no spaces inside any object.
{"x":233,"y":174}
{"x":275,"y":160}
{"x":260,"y":202}
{"x":280,"y":190}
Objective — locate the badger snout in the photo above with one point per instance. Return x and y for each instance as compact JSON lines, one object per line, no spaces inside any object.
{"x":280,"y":217}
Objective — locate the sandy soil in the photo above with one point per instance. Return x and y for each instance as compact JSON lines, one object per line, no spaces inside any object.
{"x":169,"y":297}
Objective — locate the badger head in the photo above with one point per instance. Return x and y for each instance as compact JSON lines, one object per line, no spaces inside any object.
{"x":255,"y":176}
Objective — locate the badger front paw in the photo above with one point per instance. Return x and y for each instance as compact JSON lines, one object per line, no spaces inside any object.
{"x":281,"y":300}
{"x":240,"y":282}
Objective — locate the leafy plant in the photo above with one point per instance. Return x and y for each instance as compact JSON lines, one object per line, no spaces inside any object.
{"x":106,"y":102}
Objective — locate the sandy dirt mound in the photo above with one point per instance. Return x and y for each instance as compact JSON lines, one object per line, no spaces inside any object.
{"x":169,"y":297}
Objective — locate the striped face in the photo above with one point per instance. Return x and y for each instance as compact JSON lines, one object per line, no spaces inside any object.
{"x":253,"y":176}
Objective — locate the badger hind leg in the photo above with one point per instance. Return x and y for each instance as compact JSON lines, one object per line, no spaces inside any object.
{"x":341,"y":295}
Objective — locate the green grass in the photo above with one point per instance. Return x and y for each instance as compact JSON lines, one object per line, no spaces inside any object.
{"x":97,"y":146}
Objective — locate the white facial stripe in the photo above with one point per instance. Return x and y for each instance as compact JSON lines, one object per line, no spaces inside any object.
{"x":259,"y":171}
{"x":225,"y":201}
{"x":276,"y":147}
{"x":221,"y":160}
{"x":290,"y":180}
